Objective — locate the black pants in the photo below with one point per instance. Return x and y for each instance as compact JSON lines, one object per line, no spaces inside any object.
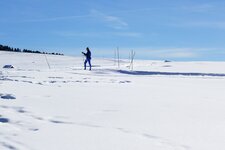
{"x":85,"y":64}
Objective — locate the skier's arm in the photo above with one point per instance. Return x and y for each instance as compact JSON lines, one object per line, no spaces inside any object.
{"x":84,"y":53}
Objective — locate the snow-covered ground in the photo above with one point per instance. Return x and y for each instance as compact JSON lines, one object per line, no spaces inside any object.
{"x":158,"y":106}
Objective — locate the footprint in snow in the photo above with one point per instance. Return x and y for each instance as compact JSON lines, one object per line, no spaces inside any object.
{"x":52,"y":81}
{"x":55,"y":77}
{"x":20,"y":109}
{"x":7,"y":96}
{"x":125,"y":81}
{"x":60,"y":122}
{"x":8,"y":146}
{"x":27,"y":81}
{"x":4,"y":120}
{"x":39,"y":83}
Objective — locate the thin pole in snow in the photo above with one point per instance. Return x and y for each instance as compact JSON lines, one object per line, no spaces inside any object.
{"x":115,"y":57}
{"x":47,"y":61}
{"x":132,"y":60}
{"x":118,"y":57}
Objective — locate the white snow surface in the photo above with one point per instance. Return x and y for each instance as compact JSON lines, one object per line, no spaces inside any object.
{"x":158,"y":106}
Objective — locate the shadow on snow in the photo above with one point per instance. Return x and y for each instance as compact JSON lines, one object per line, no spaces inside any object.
{"x":170,"y":73}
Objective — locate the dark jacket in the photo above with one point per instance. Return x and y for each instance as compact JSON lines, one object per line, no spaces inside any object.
{"x":87,"y":55}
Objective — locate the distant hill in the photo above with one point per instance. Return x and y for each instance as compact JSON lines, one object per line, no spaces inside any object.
{"x":12,"y":49}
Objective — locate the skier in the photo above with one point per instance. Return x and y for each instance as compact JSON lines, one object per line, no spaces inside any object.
{"x":88,"y":58}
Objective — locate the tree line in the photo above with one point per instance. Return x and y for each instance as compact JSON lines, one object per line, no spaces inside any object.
{"x":11,"y":49}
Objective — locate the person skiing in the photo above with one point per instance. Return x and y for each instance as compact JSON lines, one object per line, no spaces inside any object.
{"x":88,"y":58}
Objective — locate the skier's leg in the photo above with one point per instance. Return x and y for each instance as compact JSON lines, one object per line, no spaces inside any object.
{"x":85,"y":63}
{"x":89,"y":62}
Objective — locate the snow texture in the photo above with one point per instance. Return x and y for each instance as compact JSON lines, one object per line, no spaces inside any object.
{"x":158,"y":106}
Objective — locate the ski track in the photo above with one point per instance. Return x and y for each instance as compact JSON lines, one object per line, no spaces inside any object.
{"x":61,"y":81}
{"x":189,"y":74}
{"x":98,"y":77}
{"x":8,"y":141}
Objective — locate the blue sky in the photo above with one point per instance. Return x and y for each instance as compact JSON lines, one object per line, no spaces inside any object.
{"x":154,"y":29}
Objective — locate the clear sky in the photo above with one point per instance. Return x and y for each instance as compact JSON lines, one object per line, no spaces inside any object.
{"x":154,"y":29}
